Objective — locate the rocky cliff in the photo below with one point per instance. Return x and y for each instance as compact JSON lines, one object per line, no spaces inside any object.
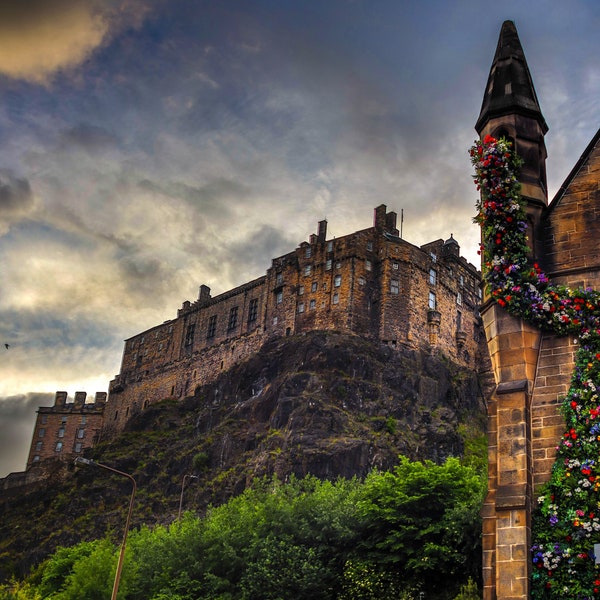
{"x":328,"y":404}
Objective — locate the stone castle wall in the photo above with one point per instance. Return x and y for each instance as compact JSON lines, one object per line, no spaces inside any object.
{"x":66,"y":429}
{"x":371,"y":283}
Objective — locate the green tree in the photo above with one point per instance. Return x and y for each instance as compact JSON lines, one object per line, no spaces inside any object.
{"x":421,"y":525}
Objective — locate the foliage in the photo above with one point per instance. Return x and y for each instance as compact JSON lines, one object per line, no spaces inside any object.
{"x":567,"y":524}
{"x":423,"y":522}
{"x":468,"y":591}
{"x":394,"y":533}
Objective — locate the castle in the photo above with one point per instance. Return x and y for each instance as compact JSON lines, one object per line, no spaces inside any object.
{"x":370,"y":283}
{"x":375,"y":284}
{"x":532,"y":369}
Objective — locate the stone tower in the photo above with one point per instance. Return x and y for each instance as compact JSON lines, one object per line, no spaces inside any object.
{"x":510,"y":108}
{"x":532,"y":370}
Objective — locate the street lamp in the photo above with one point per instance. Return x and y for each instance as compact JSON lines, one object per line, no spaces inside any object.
{"x":92,"y":463}
{"x":181,"y":495}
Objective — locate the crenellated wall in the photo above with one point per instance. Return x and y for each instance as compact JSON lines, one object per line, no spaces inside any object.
{"x":371,"y":283}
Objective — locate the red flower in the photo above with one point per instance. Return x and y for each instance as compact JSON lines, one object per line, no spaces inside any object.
{"x":488,"y":139}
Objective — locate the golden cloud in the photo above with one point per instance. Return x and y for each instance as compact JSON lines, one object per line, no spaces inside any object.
{"x":39,"y":38}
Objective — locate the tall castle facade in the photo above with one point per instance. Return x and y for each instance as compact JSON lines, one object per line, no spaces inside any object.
{"x":532,"y":369}
{"x":370,"y":283}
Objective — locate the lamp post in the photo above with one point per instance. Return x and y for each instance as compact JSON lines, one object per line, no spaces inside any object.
{"x":181,"y":495}
{"x":92,"y":463}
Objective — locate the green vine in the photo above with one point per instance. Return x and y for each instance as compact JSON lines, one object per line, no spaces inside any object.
{"x":566,"y":524}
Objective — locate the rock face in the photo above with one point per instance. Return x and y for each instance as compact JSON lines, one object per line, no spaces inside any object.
{"x":328,"y":404}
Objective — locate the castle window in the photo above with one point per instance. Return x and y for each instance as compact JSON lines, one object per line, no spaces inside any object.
{"x":78,"y":447}
{"x":279,"y":297}
{"x":369,"y":246}
{"x":80,"y":433}
{"x":432,"y":302}
{"x":338,"y":265}
{"x":313,"y":287}
{"x":41,"y":432}
{"x":212,"y":327}
{"x":301,"y":307}
{"x":461,"y":281}
{"x":61,"y":432}
{"x":189,"y":334}
{"x":459,"y":298}
{"x":233,"y":316}
{"x":337,"y":281}
{"x":38,"y":446}
{"x":432,"y":277}
{"x":58,"y":446}
{"x":36,"y":458}
{"x":329,"y":246}
{"x":308,"y":252}
{"x":368,"y":265}
{"x":308,"y":270}
{"x":433,"y":257}
{"x":275,"y":320}
{"x":63,"y":420}
{"x":328,"y":264}
{"x":394,"y":287}
{"x":279,"y":278}
{"x":362,"y":281}
{"x":313,"y":304}
{"x":300,"y":290}
{"x":83,"y":419}
{"x":395,"y":266}
{"x":336,"y":298}
{"x":479,"y":293}
{"x":44,"y":419}
{"x":458,"y":321}
{"x":253,"y":310}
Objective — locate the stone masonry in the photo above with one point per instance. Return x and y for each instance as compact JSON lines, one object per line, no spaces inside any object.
{"x":371,"y":283}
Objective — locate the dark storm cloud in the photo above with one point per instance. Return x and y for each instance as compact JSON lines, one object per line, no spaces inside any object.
{"x":17,"y":419}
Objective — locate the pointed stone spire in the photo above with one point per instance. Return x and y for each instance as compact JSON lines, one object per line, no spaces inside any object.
{"x":510,"y":109}
{"x":510,"y":87}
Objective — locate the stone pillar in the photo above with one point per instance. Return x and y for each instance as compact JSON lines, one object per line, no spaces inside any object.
{"x":514,"y":349}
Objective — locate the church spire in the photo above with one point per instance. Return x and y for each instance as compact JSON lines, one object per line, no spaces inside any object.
{"x":510,"y":109}
{"x":510,"y":87}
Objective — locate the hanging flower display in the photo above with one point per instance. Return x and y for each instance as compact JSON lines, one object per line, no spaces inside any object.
{"x":566,"y":525}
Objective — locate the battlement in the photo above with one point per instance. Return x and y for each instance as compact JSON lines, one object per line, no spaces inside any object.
{"x":65,"y":429}
{"x":371,"y":282}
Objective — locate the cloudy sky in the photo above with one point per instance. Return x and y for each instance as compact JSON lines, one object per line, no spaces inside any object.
{"x":150,"y":146}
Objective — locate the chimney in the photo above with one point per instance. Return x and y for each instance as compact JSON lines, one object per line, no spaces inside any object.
{"x":322,"y":232}
{"x":379,"y":218}
{"x":204,"y":295}
{"x":100,"y":398}
{"x":390,"y":223}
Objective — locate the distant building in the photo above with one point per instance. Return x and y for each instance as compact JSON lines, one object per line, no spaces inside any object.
{"x":371,"y":283}
{"x":65,"y":430}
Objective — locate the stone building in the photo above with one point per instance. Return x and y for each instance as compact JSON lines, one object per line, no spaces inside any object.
{"x":371,"y":283}
{"x":532,"y":369}
{"x":66,"y":429}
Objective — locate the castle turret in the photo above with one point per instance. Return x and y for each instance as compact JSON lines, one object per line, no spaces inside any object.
{"x":511,"y":109}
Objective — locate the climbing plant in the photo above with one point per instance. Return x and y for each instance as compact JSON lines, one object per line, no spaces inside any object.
{"x":566,"y":524}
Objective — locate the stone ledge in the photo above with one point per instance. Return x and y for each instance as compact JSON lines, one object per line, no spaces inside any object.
{"x":511,"y":496}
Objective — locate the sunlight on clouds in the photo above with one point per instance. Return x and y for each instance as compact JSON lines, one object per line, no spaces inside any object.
{"x":35,"y":48}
